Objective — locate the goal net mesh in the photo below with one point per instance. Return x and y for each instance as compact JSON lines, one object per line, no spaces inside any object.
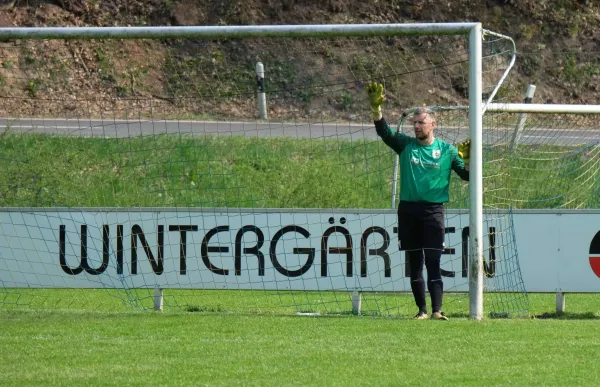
{"x":134,"y":165}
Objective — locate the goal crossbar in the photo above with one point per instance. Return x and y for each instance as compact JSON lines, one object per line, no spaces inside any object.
{"x":209,"y":32}
{"x":543,"y":108}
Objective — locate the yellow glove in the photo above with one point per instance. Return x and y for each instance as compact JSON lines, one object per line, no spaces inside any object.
{"x":464,"y":151}
{"x":376,"y":98}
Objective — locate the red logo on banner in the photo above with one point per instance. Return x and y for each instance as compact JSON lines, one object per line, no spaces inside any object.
{"x":595,"y":254}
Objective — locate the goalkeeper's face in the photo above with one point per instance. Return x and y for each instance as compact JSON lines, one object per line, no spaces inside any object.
{"x":423,"y":125}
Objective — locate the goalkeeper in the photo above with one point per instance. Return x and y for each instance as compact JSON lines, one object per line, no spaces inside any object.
{"x":426,"y":163}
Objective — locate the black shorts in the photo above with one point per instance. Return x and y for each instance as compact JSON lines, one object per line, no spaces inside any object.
{"x":421,"y":225}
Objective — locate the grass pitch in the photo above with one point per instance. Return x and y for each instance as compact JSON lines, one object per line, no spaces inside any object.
{"x":66,"y":347}
{"x":45,"y":347}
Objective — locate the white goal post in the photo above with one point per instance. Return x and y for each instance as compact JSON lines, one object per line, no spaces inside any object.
{"x":473,"y":31}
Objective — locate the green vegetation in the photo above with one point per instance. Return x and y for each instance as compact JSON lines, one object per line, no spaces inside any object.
{"x":202,"y":73}
{"x":219,"y":348}
{"x":7,"y":64}
{"x":581,"y":74}
{"x":106,"y":66}
{"x":161,"y":170}
{"x":211,"y":76}
{"x":530,"y":65}
{"x":282,"y":302}
{"x":184,"y":171}
{"x":33,"y":87}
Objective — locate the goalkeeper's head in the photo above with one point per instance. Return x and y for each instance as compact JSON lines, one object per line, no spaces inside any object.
{"x":423,"y":121}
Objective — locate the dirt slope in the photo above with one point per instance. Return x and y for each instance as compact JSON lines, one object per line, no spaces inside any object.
{"x":558,"y":43}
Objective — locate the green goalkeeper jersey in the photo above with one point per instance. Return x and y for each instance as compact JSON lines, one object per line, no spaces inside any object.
{"x":424,"y":169}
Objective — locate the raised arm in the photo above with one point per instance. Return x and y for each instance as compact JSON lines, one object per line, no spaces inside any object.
{"x":395,"y":140}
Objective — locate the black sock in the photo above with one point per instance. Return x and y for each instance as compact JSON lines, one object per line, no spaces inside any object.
{"x":418,"y":290}
{"x":435,"y":285}
{"x":417,"y":284}
{"x":436,"y":292}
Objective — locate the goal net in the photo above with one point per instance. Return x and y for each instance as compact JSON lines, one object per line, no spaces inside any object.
{"x":137,"y":173}
{"x":551,"y":156}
